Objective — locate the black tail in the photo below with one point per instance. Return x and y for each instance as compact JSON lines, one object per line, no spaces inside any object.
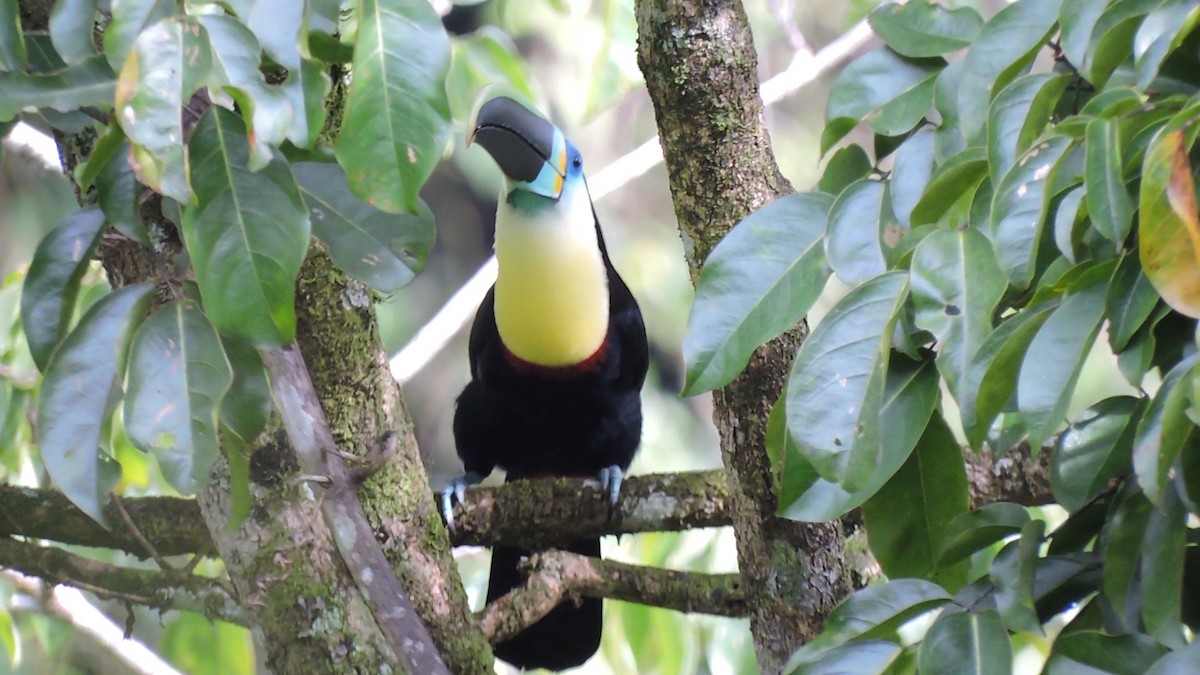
{"x":564,"y":638}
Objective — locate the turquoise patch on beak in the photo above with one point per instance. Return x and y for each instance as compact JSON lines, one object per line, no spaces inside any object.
{"x":549,"y":181}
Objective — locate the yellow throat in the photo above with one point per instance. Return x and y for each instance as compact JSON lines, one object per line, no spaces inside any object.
{"x":552,"y":285}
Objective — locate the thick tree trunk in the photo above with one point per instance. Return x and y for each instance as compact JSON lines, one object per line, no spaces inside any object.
{"x":700,"y":66}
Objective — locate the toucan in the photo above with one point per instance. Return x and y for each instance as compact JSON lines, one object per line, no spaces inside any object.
{"x":558,"y":355}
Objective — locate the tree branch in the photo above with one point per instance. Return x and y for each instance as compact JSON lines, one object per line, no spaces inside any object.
{"x":555,"y":576}
{"x":173,"y":525}
{"x":1017,"y":476}
{"x":160,"y":590}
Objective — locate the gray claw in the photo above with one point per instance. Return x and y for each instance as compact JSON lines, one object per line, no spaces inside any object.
{"x":457,"y":488}
{"x":610,"y":480}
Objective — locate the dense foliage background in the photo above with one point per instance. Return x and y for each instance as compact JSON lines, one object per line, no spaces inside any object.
{"x":1000,"y":248}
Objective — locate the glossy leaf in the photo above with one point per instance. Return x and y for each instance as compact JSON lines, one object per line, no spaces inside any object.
{"x":847,"y":165}
{"x":1121,"y":551}
{"x":1108,"y":201}
{"x":1164,"y":431}
{"x":1019,"y":209}
{"x":966,"y":643}
{"x":1112,"y":39}
{"x":1095,"y":652}
{"x":1017,"y":116}
{"x":907,"y":518}
{"x":1077,"y":19}
{"x":1012,"y":573}
{"x":978,"y":529}
{"x":911,"y":173}
{"x":1005,"y":46}
{"x":955,"y":178}
{"x":949,"y":139}
{"x":382,"y":250}
{"x":862,"y":657}
{"x":1169,"y":224}
{"x":169,"y":62}
{"x":52,"y":282}
{"x":956,"y":284}
{"x":88,"y":83}
{"x":118,"y":192}
{"x":1161,"y":33}
{"x":12,"y":39}
{"x":1185,"y":660}
{"x":919,"y":29}
{"x":760,"y":280}
{"x":129,"y":19}
{"x":236,"y":68}
{"x":889,"y":92}
{"x":247,"y":237}
{"x":1055,"y":357}
{"x":79,"y":392}
{"x":1162,"y":569}
{"x":1094,"y":448}
{"x":992,"y":378}
{"x":277,"y":24}
{"x":306,"y":89}
{"x":1130,"y":302}
{"x":247,"y":405}
{"x":396,"y":116}
{"x":858,"y":222}
{"x":835,"y":390}
{"x":909,"y":398}
{"x":178,"y":375}
{"x":1069,"y":223}
{"x":71,"y":26}
{"x":483,"y":57}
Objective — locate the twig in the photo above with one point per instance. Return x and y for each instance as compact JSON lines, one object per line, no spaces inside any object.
{"x":555,"y":576}
{"x":70,"y":606}
{"x":454,"y":314}
{"x":137,"y":534}
{"x":160,"y":590}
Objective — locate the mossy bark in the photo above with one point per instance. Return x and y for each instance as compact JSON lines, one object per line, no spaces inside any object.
{"x":700,"y":67}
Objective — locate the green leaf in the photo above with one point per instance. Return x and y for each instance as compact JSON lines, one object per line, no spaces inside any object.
{"x":12,"y":39}
{"x":992,"y":379}
{"x":1017,"y":116}
{"x":169,"y":62}
{"x":911,"y":173}
{"x":1167,"y":218}
{"x":1131,"y":299}
{"x":484,"y":57}
{"x":907,"y":519}
{"x":1077,"y":19}
{"x":949,"y":139}
{"x":1055,"y":357}
{"x":1120,"y":549}
{"x":247,"y":237}
{"x":1108,"y":201}
{"x":858,"y":222}
{"x":909,"y":398}
{"x":247,"y":405}
{"x":1019,"y":209}
{"x":1164,"y":431}
{"x":978,"y":529}
{"x":80,"y":391}
{"x":847,"y":165}
{"x":1162,"y":570}
{"x":1185,"y":660}
{"x":236,"y":68}
{"x":89,"y":83}
{"x":276,"y":24}
{"x":872,"y":612}
{"x":760,"y":280}
{"x":835,"y":390}
{"x":954,"y":179}
{"x":1086,"y":652}
{"x":966,"y":643}
{"x":1161,"y":33}
{"x":1069,"y":226}
{"x":1095,"y":448}
{"x":396,"y":116}
{"x":1005,"y":46}
{"x":887,"y":91}
{"x":129,"y":19}
{"x":382,"y":250}
{"x":118,"y":192}
{"x":199,"y":646}
{"x":178,"y":375}
{"x":71,"y":27}
{"x":1112,"y":39}
{"x":861,"y":657}
{"x":919,"y":29}
{"x":52,"y":282}
{"x":956,"y":284}
{"x":1012,"y":573}
{"x":306,"y":89}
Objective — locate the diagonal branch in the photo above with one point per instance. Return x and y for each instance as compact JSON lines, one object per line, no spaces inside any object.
{"x":160,"y":590}
{"x":555,"y":576}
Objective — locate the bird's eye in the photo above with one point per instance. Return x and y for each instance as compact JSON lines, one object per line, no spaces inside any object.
{"x":577,"y":162}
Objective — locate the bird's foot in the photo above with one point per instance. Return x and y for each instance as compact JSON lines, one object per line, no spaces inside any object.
{"x":457,"y":489}
{"x":610,"y":483}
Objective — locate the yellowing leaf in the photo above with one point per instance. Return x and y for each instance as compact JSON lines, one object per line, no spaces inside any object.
{"x":1169,"y":225}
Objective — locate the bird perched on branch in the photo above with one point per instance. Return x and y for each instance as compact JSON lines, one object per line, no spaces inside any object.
{"x":558,"y":355}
